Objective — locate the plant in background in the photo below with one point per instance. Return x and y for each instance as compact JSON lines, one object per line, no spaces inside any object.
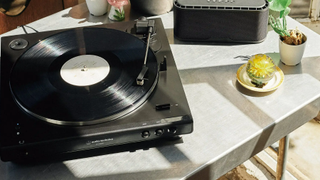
{"x":279,"y":24}
{"x":118,"y":8}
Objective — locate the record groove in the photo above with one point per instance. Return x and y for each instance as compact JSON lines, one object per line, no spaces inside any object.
{"x":39,"y":89}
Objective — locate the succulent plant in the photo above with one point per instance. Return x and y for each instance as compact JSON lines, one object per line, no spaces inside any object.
{"x":279,"y":24}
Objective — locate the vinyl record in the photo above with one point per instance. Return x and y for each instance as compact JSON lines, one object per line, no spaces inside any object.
{"x":83,"y":76}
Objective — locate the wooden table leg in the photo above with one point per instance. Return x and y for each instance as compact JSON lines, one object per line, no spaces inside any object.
{"x":282,"y":157}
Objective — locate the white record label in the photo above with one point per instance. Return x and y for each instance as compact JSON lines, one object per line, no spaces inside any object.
{"x":85,"y":70}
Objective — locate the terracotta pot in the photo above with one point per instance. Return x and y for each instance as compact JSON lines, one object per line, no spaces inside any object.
{"x":291,"y":55}
{"x":152,"y":7}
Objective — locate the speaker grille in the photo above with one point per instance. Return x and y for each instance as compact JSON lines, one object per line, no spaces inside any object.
{"x":239,"y":24}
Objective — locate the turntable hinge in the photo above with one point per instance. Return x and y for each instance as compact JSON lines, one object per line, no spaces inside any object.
{"x":140,"y":78}
{"x":143,"y":25}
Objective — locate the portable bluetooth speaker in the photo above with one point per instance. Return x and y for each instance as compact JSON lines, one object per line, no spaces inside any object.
{"x":221,"y":20}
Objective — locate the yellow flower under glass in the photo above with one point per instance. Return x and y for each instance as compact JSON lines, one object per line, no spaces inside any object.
{"x":260,"y":69}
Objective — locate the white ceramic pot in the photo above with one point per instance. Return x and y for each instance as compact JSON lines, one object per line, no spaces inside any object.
{"x":97,"y":7}
{"x":291,"y":55}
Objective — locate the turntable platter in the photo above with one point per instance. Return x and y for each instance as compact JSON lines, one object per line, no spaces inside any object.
{"x":83,"y":76}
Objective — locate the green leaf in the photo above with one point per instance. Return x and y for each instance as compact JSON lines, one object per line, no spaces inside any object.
{"x":116,"y":17}
{"x":279,"y":5}
{"x":284,"y":22}
{"x":118,"y":13}
{"x":279,"y":28}
{"x":282,"y":7}
{"x":285,"y":27}
{"x":286,"y":11}
{"x":119,"y":16}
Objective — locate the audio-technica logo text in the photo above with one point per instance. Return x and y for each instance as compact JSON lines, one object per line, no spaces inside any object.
{"x":100,"y":141}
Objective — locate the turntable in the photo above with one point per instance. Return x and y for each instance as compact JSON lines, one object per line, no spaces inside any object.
{"x":87,"y":88}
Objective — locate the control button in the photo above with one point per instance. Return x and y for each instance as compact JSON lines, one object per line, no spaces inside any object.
{"x":159,"y":132}
{"x":21,"y":142}
{"x":18,"y":133}
{"x":172,"y":130}
{"x":145,"y":134}
{"x":18,"y":44}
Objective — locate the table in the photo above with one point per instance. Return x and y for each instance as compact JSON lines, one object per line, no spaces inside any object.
{"x":231,"y":123}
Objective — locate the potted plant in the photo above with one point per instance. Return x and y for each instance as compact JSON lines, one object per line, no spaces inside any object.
{"x":291,"y":42}
{"x":117,"y":11}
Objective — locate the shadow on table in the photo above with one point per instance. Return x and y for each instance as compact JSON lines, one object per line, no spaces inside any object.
{"x":223,"y":80}
{"x":310,"y":65}
{"x":81,"y":12}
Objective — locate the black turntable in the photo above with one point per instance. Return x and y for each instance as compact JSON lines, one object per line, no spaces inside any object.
{"x":88,"y":88}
